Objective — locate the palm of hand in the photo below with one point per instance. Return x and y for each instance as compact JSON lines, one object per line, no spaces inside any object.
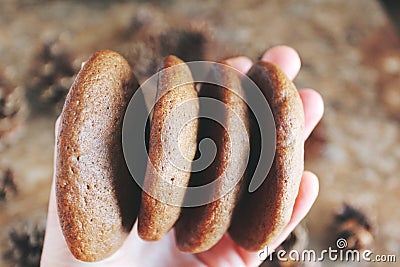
{"x":136,"y":252}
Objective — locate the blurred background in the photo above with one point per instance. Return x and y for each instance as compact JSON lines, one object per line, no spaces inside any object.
{"x":350,"y":53}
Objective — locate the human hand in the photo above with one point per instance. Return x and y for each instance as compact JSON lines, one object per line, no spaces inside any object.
{"x":136,"y":252}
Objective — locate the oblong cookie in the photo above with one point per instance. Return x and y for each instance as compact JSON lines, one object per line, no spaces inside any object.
{"x":172,"y":147}
{"x":97,"y":199}
{"x":262,"y":215}
{"x":199,"y":228}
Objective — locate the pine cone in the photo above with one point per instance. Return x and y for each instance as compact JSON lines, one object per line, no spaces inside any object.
{"x":52,"y":74}
{"x":353,"y":226}
{"x":12,"y":110}
{"x":25,"y":245}
{"x":7,"y":185}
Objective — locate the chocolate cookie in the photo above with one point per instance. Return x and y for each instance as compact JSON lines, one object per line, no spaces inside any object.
{"x":97,"y":199}
{"x":199,"y":228}
{"x":172,"y":147}
{"x":263,"y":214}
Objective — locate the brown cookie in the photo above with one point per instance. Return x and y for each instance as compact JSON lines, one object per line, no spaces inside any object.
{"x":172,"y":147}
{"x":97,"y":199}
{"x":261,"y":215}
{"x":199,"y":228}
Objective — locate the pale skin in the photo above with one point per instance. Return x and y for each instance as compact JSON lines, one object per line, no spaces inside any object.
{"x":136,"y":252}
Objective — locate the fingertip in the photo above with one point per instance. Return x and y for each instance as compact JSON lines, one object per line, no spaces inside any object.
{"x":286,"y":58}
{"x":224,"y":253}
{"x":308,"y":192}
{"x":313,"y":105}
{"x":313,"y":97}
{"x":241,"y":63}
{"x":311,"y":184}
{"x":57,"y":124}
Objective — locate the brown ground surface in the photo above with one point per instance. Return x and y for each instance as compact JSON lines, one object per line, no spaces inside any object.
{"x":349,"y":51}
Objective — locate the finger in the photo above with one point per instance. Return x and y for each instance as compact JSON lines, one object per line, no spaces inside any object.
{"x":313,"y":109}
{"x":285,"y":57}
{"x":242,"y":64}
{"x":308,"y":192}
{"x":57,"y":124}
{"x":224,"y":253}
